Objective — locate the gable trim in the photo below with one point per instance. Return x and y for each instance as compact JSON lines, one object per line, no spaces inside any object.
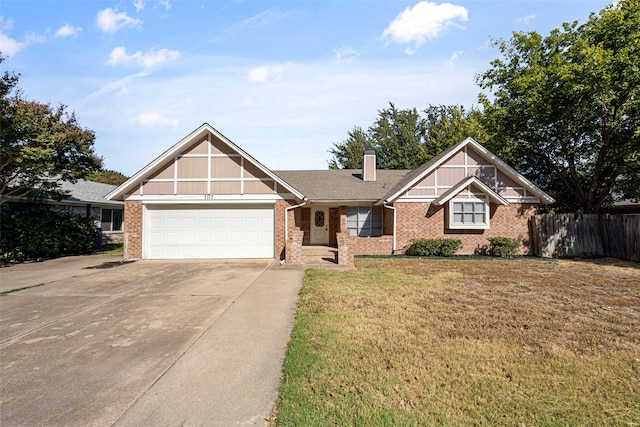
{"x":453,"y":191}
{"x":446,"y":155}
{"x":133,"y":183}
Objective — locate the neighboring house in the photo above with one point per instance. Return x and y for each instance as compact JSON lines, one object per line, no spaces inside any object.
{"x":207,"y":198}
{"x":88,"y":198}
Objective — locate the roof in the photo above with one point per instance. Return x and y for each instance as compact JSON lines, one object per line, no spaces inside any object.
{"x":419,"y":173}
{"x":119,"y":192}
{"x":88,"y":192}
{"x":341,"y":184}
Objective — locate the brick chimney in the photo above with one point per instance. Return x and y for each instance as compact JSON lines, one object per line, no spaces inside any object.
{"x":369,"y":165}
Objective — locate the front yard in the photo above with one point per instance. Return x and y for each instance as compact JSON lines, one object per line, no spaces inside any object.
{"x":476,"y":342}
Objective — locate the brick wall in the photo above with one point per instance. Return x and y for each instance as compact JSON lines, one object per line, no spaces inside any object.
{"x":387,"y":221}
{"x":382,"y":245}
{"x":133,"y":229}
{"x":280,"y":210}
{"x":424,"y":220}
{"x":346,"y":249}
{"x":294,"y":247}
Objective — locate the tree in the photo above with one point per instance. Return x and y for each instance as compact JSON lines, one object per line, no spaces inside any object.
{"x":107,"y":176}
{"x":403,"y":139}
{"x":447,"y":125}
{"x":348,"y":154}
{"x":40,"y":145}
{"x":566,"y":107}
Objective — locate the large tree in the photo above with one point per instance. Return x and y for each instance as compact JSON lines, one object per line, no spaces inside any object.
{"x":404,"y":139}
{"x":565,"y":109}
{"x":40,"y":145}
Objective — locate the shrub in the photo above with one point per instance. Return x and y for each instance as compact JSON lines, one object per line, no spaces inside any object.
{"x":504,"y":247}
{"x":38,"y":231}
{"x":434,"y":247}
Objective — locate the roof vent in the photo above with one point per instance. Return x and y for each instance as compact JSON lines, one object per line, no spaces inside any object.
{"x":369,"y":165}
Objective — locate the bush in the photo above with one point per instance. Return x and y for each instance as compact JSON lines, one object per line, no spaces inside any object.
{"x":503,"y":247}
{"x":31,"y":232}
{"x":434,"y":247}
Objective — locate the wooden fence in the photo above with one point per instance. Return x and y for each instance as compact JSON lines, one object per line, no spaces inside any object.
{"x":576,"y":235}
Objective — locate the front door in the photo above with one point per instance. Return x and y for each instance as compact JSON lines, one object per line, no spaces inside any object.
{"x":319,"y":226}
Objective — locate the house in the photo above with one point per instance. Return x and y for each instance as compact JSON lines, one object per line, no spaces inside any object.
{"x":87,"y":198}
{"x":207,"y":198}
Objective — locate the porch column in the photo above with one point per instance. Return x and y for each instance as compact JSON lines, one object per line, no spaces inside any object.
{"x":346,"y":249}
{"x":293,"y":250}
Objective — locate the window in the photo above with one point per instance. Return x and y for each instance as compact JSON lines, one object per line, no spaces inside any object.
{"x":469,"y":214}
{"x":365,"y":221}
{"x":111,"y":220}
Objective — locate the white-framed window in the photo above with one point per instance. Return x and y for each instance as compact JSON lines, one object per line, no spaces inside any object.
{"x":111,"y":219}
{"x":364,"y":221}
{"x":468,"y":214}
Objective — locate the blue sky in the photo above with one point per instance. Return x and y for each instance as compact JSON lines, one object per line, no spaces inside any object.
{"x":284,"y":80}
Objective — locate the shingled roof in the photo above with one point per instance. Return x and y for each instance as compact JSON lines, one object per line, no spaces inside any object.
{"x":88,"y":192}
{"x":342,"y":184}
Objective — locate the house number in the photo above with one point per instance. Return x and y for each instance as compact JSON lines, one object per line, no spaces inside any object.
{"x":209,"y":196}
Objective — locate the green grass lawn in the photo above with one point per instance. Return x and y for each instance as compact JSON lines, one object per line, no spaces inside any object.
{"x":420,"y":342}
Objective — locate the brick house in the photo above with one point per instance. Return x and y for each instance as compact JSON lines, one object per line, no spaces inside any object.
{"x":207,"y":198}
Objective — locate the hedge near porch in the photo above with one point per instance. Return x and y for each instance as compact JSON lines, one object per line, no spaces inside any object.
{"x":33,"y":232}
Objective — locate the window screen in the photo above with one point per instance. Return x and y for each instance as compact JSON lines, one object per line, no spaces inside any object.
{"x":364,"y":221}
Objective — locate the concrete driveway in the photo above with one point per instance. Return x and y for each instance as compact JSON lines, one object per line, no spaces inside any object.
{"x":146,"y":343}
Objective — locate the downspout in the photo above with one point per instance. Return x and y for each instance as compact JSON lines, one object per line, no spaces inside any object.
{"x":394,"y":223}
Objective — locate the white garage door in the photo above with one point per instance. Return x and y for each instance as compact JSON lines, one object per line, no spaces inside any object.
{"x":185,"y":232}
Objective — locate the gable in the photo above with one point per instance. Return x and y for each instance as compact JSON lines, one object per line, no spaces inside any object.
{"x":465,"y":160}
{"x":470,"y":188}
{"x":205,"y":163}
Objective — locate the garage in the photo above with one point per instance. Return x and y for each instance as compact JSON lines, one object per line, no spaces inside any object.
{"x":208,"y":231}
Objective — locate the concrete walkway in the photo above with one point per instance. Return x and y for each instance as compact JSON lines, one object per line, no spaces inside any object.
{"x":230,"y":376}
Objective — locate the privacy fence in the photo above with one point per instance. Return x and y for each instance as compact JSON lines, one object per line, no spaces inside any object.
{"x":577,"y":235}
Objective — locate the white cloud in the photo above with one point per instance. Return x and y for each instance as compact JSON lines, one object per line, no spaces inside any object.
{"x":345,"y":54}
{"x":139,"y":4}
{"x":263,"y":18}
{"x":150,"y":59}
{"x":153,"y":119}
{"x":454,"y":56}
{"x":425,"y":20}
{"x":68,"y":30}
{"x":110,"y":21}
{"x":9,"y":46}
{"x":120,"y":86}
{"x":6,"y":24}
{"x":527,"y":19}
{"x":166,"y":4}
{"x":265,"y":73}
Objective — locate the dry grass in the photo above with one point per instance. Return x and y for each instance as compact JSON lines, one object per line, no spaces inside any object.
{"x":420,"y":342}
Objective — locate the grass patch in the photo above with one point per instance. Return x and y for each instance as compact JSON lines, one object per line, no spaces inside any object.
{"x":415,"y":342}
{"x":19,"y":289}
{"x":115,"y":249}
